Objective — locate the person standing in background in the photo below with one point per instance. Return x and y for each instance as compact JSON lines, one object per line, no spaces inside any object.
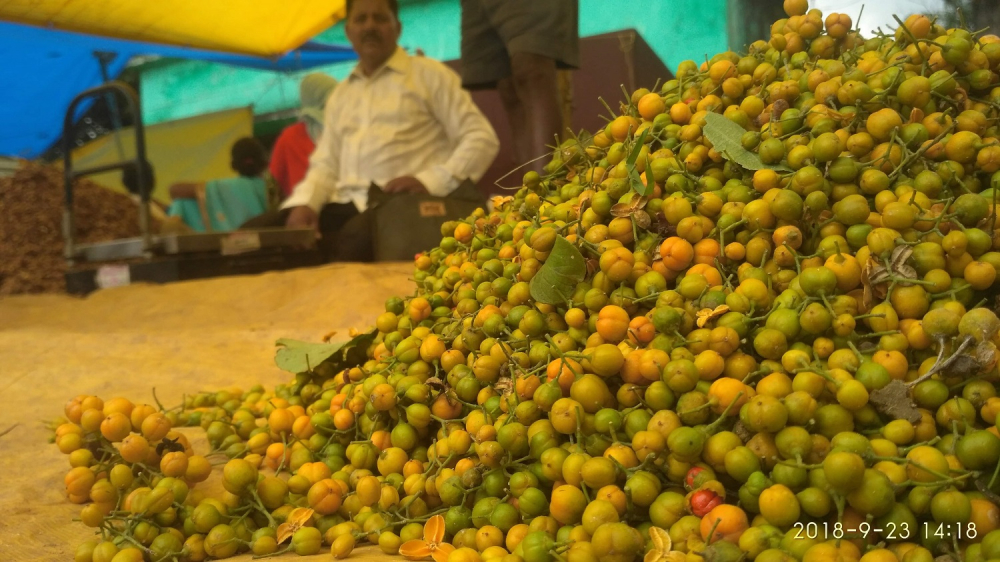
{"x":291,"y":151}
{"x":399,"y":122}
{"x":517,"y":46}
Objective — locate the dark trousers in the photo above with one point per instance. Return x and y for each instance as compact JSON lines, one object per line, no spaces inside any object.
{"x":345,"y":233}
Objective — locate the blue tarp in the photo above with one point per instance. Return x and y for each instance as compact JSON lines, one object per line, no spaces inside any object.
{"x":43,"y":70}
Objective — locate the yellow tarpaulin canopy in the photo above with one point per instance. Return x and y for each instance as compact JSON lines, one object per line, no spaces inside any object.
{"x":192,"y":150}
{"x":254,"y":27}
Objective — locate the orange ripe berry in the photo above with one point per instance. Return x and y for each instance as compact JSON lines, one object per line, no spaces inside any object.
{"x":343,"y":419}
{"x":728,"y":522}
{"x":612,"y":323}
{"x":116,"y":427}
{"x":676,"y":253}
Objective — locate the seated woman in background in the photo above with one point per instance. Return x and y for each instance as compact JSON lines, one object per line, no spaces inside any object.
{"x":131,"y":176}
{"x":223,"y":205}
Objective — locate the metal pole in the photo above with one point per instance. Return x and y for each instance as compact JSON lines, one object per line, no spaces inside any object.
{"x":104,"y":58}
{"x":68,"y":226}
{"x":140,"y":161}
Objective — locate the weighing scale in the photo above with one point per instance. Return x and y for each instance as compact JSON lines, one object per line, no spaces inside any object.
{"x":168,"y":257}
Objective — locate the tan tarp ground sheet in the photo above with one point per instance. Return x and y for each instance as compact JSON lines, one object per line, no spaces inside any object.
{"x":180,"y":337}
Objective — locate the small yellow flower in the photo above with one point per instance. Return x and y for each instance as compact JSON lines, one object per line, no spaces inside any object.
{"x":695,"y":544}
{"x":432,"y":544}
{"x":298,"y":518}
{"x":500,"y":200}
{"x":662,"y":550}
{"x":706,"y":315}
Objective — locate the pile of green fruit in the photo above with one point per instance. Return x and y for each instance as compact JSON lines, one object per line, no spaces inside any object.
{"x":752,"y":318}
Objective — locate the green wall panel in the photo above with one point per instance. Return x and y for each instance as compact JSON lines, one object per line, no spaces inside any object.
{"x":676,"y":30}
{"x":178,"y":89}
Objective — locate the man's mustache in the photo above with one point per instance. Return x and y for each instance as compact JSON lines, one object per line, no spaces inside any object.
{"x":371,"y":35}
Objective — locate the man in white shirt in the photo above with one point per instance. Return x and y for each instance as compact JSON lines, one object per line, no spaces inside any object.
{"x":403,"y":123}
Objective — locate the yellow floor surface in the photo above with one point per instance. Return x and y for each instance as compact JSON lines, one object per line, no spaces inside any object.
{"x":178,"y":338}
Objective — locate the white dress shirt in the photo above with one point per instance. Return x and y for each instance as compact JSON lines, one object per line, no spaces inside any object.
{"x":411,"y":117}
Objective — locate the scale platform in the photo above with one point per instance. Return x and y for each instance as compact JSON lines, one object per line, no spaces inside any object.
{"x":181,"y":257}
{"x":226,"y":243}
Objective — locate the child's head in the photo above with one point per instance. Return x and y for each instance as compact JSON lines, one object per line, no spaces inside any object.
{"x":130,"y":177}
{"x":249,"y":158}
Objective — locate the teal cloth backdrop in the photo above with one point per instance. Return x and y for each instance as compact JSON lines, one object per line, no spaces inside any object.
{"x":675,"y":29}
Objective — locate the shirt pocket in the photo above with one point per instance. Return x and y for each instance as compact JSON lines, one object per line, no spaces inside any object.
{"x":404,"y":109}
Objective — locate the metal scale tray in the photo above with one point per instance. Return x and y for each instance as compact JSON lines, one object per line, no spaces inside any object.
{"x":165,"y":257}
{"x":183,"y":257}
{"x":222,"y":243}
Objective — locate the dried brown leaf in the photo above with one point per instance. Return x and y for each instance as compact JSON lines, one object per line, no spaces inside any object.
{"x":898,"y":265}
{"x":638,"y":201}
{"x":986,"y":355}
{"x":866,"y":273}
{"x":866,"y":297}
{"x":621,"y":210}
{"x":867,"y":347}
{"x":900,"y":255}
{"x":878,"y":276}
{"x":628,"y":209}
{"x":505,"y":386}
{"x":962,"y":366}
{"x":779,"y":107}
{"x":662,"y":226}
{"x":874,"y":283}
{"x":894,"y":400}
{"x":741,"y":431}
{"x":906,"y":271}
{"x":642,"y":219}
{"x":583,"y":203}
{"x":437,"y":384}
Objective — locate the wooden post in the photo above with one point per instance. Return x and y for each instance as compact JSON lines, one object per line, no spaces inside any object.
{"x":565,"y":79}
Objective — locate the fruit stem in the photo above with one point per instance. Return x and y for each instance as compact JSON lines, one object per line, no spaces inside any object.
{"x":275,"y":553}
{"x":157,"y":400}
{"x":996,"y":472}
{"x":856,"y":352}
{"x":929,"y":442}
{"x":798,"y":464}
{"x":940,"y":365}
{"x":945,"y":479}
{"x":260,"y":507}
{"x":711,"y":533}
{"x":710,"y":428}
{"x":920,"y":152}
{"x":880,"y":334}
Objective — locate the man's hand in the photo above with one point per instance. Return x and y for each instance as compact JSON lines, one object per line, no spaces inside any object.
{"x":405,"y":184}
{"x":303,"y":217}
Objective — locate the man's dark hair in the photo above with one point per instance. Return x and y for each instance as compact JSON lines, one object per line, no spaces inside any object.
{"x":393,"y":7}
{"x":130,"y":177}
{"x":249,"y":157}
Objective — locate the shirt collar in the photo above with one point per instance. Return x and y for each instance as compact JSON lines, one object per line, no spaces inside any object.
{"x":399,"y":62}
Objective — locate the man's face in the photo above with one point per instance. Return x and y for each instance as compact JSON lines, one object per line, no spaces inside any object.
{"x":373,"y":31}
